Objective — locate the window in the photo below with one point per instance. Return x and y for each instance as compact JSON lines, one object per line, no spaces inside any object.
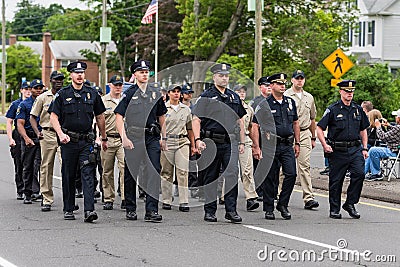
{"x":64,"y":63}
{"x":371,"y":33}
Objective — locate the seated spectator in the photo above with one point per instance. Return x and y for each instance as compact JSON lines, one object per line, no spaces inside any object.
{"x":376,"y":153}
{"x":371,"y":130}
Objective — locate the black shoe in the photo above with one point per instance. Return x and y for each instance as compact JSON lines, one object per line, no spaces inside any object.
{"x":76,"y":207}
{"x":152,"y":216}
{"x":184,"y":207}
{"x":69,"y":215}
{"x":131,"y":215}
{"x":36,"y":196}
{"x":46,"y":207}
{"x":90,"y":216}
{"x":311,"y":204}
{"x":252,"y":205}
{"x":375,"y":177}
{"x":97,"y":194}
{"x":260,"y":199}
{"x":221,"y":202}
{"x":325,"y":172}
{"x":209,"y":217}
{"x":284,"y":212}
{"x":166,"y":206}
{"x":335,"y":215}
{"x":108,"y":206}
{"x":269,"y":215}
{"x":233,"y":216}
{"x":123,"y":205}
{"x":20,"y":196}
{"x":79,"y":193}
{"x":27,"y":200}
{"x":351,"y":210}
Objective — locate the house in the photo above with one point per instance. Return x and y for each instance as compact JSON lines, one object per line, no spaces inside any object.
{"x":56,"y":54}
{"x":377,"y":38}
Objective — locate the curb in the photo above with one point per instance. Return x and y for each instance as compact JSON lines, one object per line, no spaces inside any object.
{"x":377,"y":190}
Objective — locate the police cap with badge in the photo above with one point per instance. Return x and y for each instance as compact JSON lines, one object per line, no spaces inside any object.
{"x":77,"y":66}
{"x":37,"y":83}
{"x":221,"y":68}
{"x":56,"y":75}
{"x":347,"y":85}
{"x":26,"y":85}
{"x":117,"y":80}
{"x":277,"y":78}
{"x":140,"y":65}
{"x":263,"y":80}
{"x":186,"y":89}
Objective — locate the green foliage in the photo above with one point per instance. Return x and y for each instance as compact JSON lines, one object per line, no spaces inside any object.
{"x":21,"y":62}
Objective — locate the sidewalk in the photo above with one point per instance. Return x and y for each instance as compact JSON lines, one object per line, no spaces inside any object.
{"x":378,"y":190}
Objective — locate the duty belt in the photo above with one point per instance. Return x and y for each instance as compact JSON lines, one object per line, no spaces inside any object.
{"x":218,"y":138}
{"x":31,"y":134}
{"x":285,"y":140}
{"x":176,"y":135}
{"x":340,"y":145}
{"x":75,"y":137}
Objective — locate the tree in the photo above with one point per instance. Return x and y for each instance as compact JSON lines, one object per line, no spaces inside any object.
{"x":21,"y":62}
{"x":30,"y":18}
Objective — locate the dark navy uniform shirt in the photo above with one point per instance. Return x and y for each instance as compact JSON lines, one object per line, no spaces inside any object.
{"x":145,"y":107}
{"x":344,"y":122}
{"x":76,"y":108}
{"x":24,"y":113}
{"x":284,"y":115}
{"x":12,"y":111}
{"x":212,"y":109}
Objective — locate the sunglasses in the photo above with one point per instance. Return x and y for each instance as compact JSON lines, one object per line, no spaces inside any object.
{"x":348,"y":91}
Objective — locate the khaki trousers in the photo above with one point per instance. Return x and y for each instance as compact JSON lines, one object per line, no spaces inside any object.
{"x":176,"y":156}
{"x":303,"y":166}
{"x":246,"y":170}
{"x":114,"y":150}
{"x":49,"y":148}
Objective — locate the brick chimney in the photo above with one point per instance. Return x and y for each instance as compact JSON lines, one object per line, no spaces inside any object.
{"x":13,"y":39}
{"x":46,"y":59}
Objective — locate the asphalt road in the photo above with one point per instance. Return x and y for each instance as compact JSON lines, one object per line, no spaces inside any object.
{"x":30,"y":237}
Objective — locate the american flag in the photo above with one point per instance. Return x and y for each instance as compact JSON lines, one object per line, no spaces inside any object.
{"x":151,"y":10}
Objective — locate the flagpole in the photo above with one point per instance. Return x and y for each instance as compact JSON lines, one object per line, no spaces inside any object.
{"x":156,"y":48}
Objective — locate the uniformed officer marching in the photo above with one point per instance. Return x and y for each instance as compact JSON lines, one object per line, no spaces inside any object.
{"x":144,"y":111}
{"x":30,"y":145}
{"x":72,"y":113}
{"x":15,"y":139}
{"x":282,"y":134}
{"x":346,"y":148}
{"x":48,"y":138}
{"x":217,"y":116}
{"x":114,"y":149}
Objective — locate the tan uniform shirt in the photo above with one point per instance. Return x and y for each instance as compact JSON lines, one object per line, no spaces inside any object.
{"x":109,"y":114}
{"x":178,"y":122}
{"x":41,"y":106}
{"x":306,"y":110}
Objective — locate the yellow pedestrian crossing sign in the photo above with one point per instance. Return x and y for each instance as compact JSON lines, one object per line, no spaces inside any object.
{"x":338,"y":63}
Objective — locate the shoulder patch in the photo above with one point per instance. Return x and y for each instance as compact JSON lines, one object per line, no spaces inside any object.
{"x":326,"y":112}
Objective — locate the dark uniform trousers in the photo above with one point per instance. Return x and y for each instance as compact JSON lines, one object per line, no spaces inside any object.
{"x":146,"y":153}
{"x":18,"y":167}
{"x":227,"y":156}
{"x":31,"y":160}
{"x":339,"y":163}
{"x":284,"y":156}
{"x":75,"y":155}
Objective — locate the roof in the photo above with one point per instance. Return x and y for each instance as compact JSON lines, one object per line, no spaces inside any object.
{"x":37,"y":47}
{"x":378,"y":6}
{"x":70,"y":50}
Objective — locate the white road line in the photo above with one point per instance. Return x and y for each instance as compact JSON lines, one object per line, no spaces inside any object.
{"x":6,"y":263}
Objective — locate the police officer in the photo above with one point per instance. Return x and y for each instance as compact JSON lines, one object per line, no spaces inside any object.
{"x":217,"y":116}
{"x":265,"y":90}
{"x":48,"y":138}
{"x":72,"y":113}
{"x":179,"y":142}
{"x":144,"y":111}
{"x":285,"y":131}
{"x":346,"y":148}
{"x":114,"y":144}
{"x":15,"y":139}
{"x":30,"y":145}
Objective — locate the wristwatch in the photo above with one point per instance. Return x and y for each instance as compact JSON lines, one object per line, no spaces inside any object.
{"x":104,"y":139}
{"x":313,"y":138}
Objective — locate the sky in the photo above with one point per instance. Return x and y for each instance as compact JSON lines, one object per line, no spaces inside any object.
{"x":11,"y":5}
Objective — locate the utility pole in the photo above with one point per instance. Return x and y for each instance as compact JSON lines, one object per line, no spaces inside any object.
{"x":3,"y":58}
{"x":258,"y":44}
{"x":103,"y":68}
